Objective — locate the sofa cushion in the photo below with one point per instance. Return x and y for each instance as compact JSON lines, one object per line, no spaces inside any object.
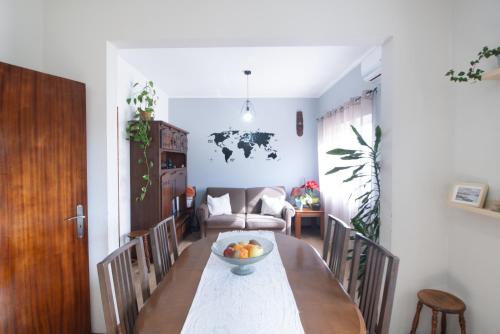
{"x":236,"y":196}
{"x":236,"y":221}
{"x":272,"y":206}
{"x":256,"y":222}
{"x":219,"y":205}
{"x":254,"y":195}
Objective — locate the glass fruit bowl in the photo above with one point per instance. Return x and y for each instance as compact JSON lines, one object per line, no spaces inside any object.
{"x":242,"y":266}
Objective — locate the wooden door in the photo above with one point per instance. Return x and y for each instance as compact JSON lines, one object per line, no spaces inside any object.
{"x":44,"y":282}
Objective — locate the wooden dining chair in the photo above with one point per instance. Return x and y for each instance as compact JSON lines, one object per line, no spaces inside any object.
{"x":163,"y":244}
{"x":372,"y":283}
{"x":118,"y":287}
{"x":336,"y":245}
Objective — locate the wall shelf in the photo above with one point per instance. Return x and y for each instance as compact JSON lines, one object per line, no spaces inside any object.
{"x":492,"y":75}
{"x":479,"y":211}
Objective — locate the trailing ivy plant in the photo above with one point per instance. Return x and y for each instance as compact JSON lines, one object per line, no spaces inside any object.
{"x":139,"y":129}
{"x":367,"y":219}
{"x":473,"y":73}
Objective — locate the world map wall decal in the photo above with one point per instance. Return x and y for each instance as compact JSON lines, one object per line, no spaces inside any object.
{"x":234,"y":144}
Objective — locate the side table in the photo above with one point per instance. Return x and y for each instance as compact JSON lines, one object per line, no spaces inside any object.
{"x":308,"y":213}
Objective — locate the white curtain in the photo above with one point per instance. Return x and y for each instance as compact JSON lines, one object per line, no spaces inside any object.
{"x":334,"y":131}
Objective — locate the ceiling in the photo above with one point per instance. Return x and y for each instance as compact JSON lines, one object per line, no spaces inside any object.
{"x":218,"y":72}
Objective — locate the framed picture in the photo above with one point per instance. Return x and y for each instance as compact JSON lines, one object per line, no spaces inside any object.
{"x":470,"y":194}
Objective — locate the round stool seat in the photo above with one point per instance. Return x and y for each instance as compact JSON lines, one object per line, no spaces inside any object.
{"x":441,"y":301}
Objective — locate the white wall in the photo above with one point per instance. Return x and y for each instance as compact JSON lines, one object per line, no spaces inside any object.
{"x":474,"y":270}
{"x":127,"y":76}
{"x":21,"y":33}
{"x":296,"y":159}
{"x":415,"y":98}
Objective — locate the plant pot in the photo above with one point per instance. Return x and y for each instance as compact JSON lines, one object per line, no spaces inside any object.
{"x":146,"y":116}
{"x":316,"y":206}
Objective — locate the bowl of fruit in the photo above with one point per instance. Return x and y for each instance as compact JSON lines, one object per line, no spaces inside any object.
{"x":242,"y":252}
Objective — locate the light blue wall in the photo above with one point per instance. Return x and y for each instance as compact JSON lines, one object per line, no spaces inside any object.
{"x":297,"y":155}
{"x":351,"y":85}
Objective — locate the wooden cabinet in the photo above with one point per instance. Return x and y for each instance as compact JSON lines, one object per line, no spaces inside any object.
{"x":167,"y":151}
{"x":174,"y":140}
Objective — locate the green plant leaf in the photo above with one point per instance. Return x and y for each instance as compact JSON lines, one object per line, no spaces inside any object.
{"x":338,"y":169}
{"x":378,"y":138}
{"x":341,"y":151}
{"x":360,"y":138}
{"x":354,"y":156}
{"x":352,"y":177}
{"x":355,"y":174}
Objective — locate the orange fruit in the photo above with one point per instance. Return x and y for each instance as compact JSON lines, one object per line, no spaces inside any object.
{"x":244,"y":253}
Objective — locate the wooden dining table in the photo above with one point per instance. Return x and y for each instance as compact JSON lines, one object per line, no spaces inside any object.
{"x":323,"y":304}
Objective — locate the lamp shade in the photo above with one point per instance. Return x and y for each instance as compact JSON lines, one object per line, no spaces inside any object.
{"x":247,"y":111}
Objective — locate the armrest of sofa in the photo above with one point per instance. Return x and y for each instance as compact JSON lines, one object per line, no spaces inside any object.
{"x":287,"y":214}
{"x":202,"y":215}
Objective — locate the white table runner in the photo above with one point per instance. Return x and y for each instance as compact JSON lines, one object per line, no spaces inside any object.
{"x":259,"y":303}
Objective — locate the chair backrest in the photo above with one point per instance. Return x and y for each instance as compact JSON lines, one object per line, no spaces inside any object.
{"x":116,"y":279}
{"x":335,"y":246}
{"x":163,"y":244}
{"x":372,"y":283}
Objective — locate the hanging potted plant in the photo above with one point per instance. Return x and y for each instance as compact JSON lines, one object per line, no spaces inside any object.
{"x":139,"y":129}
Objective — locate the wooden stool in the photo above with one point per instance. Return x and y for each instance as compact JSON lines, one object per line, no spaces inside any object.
{"x":439,"y":301}
{"x":145,"y":239}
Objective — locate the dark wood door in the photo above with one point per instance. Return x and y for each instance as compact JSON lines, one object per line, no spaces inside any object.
{"x":44,"y":283}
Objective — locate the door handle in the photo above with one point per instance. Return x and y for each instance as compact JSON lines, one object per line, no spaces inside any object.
{"x":80,"y":226}
{"x":73,"y":218}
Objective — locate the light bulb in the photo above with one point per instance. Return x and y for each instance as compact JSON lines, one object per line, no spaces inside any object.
{"x":247,"y":116}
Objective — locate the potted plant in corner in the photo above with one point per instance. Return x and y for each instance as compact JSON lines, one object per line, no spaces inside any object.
{"x":139,"y":128}
{"x":367,"y":219}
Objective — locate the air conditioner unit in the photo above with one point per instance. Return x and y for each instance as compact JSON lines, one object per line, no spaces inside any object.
{"x":371,"y":66}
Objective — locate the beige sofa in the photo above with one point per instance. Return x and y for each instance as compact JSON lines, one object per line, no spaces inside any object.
{"x":246,"y":206}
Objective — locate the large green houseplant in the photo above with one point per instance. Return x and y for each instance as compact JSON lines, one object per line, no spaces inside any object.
{"x":367,"y":219}
{"x":139,"y":129}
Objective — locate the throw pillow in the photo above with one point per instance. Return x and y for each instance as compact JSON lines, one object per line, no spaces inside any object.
{"x":272,"y":205}
{"x":219,"y":205}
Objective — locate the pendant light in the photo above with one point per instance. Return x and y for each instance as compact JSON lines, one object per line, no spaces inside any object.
{"x":247,"y":110}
